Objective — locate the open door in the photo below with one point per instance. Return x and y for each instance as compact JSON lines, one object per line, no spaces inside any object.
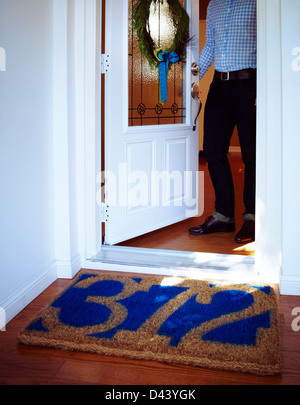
{"x":151,"y":149}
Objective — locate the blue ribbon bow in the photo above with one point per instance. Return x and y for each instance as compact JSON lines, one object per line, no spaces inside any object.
{"x":165,"y":58}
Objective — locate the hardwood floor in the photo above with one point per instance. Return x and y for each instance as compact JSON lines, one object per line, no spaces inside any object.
{"x":21,"y":365}
{"x":25,"y":366}
{"x":176,"y":237}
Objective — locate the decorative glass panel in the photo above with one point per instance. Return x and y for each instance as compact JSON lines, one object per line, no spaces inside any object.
{"x":144,"y":94}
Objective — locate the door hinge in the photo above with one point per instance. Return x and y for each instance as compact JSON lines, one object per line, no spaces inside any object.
{"x":105,"y":63}
{"x":104,"y":212}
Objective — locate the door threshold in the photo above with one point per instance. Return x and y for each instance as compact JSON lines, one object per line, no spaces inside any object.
{"x":236,"y":268}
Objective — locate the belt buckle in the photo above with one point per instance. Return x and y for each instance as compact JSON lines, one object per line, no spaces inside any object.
{"x":227,"y":76}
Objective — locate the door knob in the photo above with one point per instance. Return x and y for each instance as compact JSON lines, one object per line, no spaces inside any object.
{"x":195,"y":91}
{"x":195,"y":69}
{"x":196,"y":96}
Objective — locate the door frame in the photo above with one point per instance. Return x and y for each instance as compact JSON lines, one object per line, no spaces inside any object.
{"x":267,"y":263}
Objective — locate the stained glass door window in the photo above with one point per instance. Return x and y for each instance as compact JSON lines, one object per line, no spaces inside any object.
{"x":144,"y":99}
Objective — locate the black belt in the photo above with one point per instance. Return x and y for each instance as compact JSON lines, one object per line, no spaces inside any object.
{"x":236,"y":75}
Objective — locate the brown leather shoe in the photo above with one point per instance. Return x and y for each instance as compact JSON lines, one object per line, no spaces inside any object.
{"x":247,"y":233}
{"x":212,"y":225}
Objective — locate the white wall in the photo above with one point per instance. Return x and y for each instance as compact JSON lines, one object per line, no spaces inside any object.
{"x":290,"y":41}
{"x":26,"y":152}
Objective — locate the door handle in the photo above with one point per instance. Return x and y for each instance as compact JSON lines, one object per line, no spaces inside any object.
{"x":196,"y":96}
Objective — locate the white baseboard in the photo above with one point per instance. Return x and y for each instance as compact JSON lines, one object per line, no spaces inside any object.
{"x":68,"y":269}
{"x":27,"y":293}
{"x":290,"y":285}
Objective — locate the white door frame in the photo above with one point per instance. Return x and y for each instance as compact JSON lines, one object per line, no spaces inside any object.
{"x":267,"y":263}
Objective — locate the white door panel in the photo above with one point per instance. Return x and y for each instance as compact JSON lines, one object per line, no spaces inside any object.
{"x":150,"y":170}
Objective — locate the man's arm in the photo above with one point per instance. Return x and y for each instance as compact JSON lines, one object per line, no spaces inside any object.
{"x":208,"y":53}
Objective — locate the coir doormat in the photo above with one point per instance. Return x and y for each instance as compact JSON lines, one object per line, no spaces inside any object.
{"x":167,"y":319}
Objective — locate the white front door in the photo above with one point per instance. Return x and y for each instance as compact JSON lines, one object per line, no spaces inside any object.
{"x":151,"y":150}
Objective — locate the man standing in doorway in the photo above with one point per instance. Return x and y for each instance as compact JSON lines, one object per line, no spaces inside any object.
{"x":231,"y":45}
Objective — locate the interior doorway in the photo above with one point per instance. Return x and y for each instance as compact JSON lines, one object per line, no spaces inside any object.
{"x":176,"y":237}
{"x":268,"y":251}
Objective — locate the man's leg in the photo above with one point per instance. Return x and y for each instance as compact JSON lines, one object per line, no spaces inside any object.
{"x":246,"y":124}
{"x":218,"y":128}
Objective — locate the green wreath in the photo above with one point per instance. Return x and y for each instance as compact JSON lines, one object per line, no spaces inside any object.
{"x":181,"y":21}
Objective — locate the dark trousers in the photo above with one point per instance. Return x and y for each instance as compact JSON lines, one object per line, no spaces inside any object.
{"x":229,"y":104}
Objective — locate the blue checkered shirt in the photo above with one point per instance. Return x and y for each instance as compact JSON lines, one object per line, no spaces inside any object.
{"x":230,"y":37}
